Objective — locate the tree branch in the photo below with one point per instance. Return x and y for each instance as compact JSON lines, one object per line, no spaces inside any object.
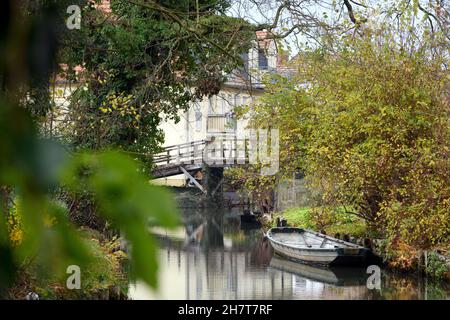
{"x":436,"y":19}
{"x":351,"y":13}
{"x":171,"y":15}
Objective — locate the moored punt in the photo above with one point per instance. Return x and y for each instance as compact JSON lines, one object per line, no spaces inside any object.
{"x":311,"y":247}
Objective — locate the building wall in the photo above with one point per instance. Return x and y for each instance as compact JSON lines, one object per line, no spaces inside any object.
{"x":212,"y":116}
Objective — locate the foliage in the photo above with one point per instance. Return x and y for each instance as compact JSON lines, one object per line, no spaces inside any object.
{"x":32,"y":168}
{"x":380,"y":137}
{"x":105,"y":269}
{"x":298,"y":217}
{"x":46,"y":233}
{"x":436,"y":267}
{"x":366,"y":120}
{"x":436,"y":290}
{"x":142,"y":63}
{"x":347,"y":223}
{"x":284,"y":108}
{"x":249,"y":182}
{"x":102,"y":273}
{"x":47,"y":20}
{"x":129,"y":207}
{"x":15,"y":225}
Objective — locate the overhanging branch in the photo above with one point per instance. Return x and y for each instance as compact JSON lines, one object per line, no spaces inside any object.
{"x":351,"y":13}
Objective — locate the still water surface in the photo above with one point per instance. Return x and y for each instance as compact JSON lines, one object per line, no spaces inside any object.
{"x":215,"y":256}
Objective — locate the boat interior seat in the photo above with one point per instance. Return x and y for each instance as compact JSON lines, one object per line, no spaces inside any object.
{"x":293,"y":243}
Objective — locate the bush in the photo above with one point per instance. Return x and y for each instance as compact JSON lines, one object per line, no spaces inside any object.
{"x":299,"y":217}
{"x":15,"y":224}
{"x":436,"y":267}
{"x":400,"y":256}
{"x":370,"y":130}
{"x":102,"y":272}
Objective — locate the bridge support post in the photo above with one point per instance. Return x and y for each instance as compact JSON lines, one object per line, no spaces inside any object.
{"x":192,"y":179}
{"x":213,"y":179}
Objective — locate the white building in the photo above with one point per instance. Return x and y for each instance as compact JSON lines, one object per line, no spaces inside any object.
{"x":214,"y":116}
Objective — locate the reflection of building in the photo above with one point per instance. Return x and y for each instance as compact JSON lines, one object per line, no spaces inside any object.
{"x":232,"y":275}
{"x":243,"y":267}
{"x":213,"y":275}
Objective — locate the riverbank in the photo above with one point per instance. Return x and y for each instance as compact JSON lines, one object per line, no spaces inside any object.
{"x":340,"y":223}
{"x":104,"y":277}
{"x":229,"y":260}
{"x":397,"y":257}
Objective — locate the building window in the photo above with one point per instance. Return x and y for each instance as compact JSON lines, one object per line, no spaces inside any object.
{"x":245,"y":67}
{"x":221,"y":123}
{"x":198,"y":120}
{"x":263,"y":64}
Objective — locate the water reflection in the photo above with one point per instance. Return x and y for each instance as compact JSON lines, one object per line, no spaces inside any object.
{"x":214,"y":257}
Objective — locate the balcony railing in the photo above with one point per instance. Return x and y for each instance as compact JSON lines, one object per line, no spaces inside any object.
{"x":220,"y":123}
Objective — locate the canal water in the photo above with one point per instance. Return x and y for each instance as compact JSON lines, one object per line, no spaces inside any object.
{"x":215,"y":256}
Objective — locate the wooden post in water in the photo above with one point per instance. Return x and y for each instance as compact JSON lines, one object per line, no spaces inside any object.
{"x":421,"y":275}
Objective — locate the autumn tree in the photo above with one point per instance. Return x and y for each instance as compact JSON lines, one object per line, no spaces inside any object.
{"x":144,"y":62}
{"x":366,"y":119}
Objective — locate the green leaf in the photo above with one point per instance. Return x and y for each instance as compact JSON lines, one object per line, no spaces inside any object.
{"x":127,"y":199}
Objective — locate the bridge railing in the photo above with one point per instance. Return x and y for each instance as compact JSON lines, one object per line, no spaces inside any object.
{"x":223,"y":150}
{"x":191,"y":152}
{"x":218,"y":151}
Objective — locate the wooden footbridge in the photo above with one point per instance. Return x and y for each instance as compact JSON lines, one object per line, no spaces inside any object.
{"x":189,"y":158}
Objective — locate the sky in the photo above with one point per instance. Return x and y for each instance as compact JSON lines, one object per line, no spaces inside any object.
{"x":332,"y":11}
{"x":265,"y":13}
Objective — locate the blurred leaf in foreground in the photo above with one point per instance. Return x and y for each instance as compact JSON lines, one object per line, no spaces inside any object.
{"x":128,"y":200}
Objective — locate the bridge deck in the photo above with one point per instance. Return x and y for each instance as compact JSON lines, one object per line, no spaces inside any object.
{"x":191,"y":156}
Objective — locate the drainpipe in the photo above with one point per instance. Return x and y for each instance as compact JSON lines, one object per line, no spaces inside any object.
{"x":186,"y":116}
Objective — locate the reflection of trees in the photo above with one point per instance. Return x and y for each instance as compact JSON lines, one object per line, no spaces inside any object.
{"x":261,"y":253}
{"x":213,"y":270}
{"x":402,"y":286}
{"x":204,"y":228}
{"x":213,"y":235}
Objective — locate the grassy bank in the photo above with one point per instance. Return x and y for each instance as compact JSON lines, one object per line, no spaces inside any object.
{"x":333,"y":223}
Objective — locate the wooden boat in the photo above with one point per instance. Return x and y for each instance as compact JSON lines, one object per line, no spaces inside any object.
{"x":315,"y":248}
